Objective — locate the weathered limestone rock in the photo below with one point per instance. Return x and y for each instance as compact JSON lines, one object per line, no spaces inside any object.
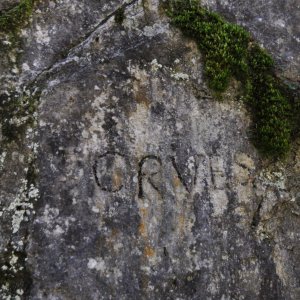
{"x":130,"y":181}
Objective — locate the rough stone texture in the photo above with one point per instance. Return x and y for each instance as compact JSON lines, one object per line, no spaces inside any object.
{"x":147,"y":187}
{"x":56,"y":27}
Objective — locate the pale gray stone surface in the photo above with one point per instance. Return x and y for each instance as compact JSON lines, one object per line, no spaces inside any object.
{"x":146,"y":186}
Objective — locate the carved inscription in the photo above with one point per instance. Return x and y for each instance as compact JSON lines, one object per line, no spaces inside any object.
{"x":150,"y":171}
{"x":190,"y":179}
{"x":110,"y":170}
{"x":218,"y":195}
{"x":218,"y":173}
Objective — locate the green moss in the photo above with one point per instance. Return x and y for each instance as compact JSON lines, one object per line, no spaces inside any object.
{"x":229,"y":51}
{"x":12,"y":19}
{"x":120,"y":15}
{"x":16,"y":115}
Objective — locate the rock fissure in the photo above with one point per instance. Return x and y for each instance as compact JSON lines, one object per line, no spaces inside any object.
{"x":80,"y":44}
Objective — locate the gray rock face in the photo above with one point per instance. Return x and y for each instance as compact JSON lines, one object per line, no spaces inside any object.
{"x":132,"y":182}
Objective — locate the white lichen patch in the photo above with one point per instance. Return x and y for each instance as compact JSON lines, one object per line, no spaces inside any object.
{"x":20,"y":291}
{"x":58,"y":231}
{"x":42,"y":36}
{"x":245,"y":161}
{"x":180,"y":76}
{"x":280,"y":23}
{"x":25,"y":67}
{"x":97,"y":264}
{"x":155,"y":30}
{"x":4,"y":291}
{"x":273,"y":178}
{"x":18,"y":121}
{"x":95,"y":209}
{"x":13,"y":260}
{"x":13,"y":266}
{"x":33,"y":192}
{"x":22,"y":206}
{"x":2,"y":159}
{"x":155,"y":65}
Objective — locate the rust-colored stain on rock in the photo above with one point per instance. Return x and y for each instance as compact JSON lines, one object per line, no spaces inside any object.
{"x":142,"y":230}
{"x":149,"y":252}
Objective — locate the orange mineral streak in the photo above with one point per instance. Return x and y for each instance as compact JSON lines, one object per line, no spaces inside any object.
{"x":141,"y":98}
{"x":181,"y":223}
{"x":113,"y":236}
{"x":117,"y":179}
{"x":143,"y":226}
{"x":149,"y":252}
{"x":144,"y":213}
{"x":181,"y":220}
{"x":176,"y":182}
{"x":142,"y":230}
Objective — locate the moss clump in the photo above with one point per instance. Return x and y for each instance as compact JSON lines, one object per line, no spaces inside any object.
{"x":12,"y":19}
{"x":120,"y":15}
{"x":270,"y":106}
{"x":16,"y":115}
{"x":229,"y":51}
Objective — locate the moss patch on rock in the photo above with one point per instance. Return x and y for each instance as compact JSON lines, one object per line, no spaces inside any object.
{"x":229,"y":51}
{"x":120,"y":15}
{"x":17,"y":113}
{"x":11,"y":20}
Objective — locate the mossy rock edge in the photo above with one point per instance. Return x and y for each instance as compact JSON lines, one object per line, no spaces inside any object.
{"x":230,"y":51}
